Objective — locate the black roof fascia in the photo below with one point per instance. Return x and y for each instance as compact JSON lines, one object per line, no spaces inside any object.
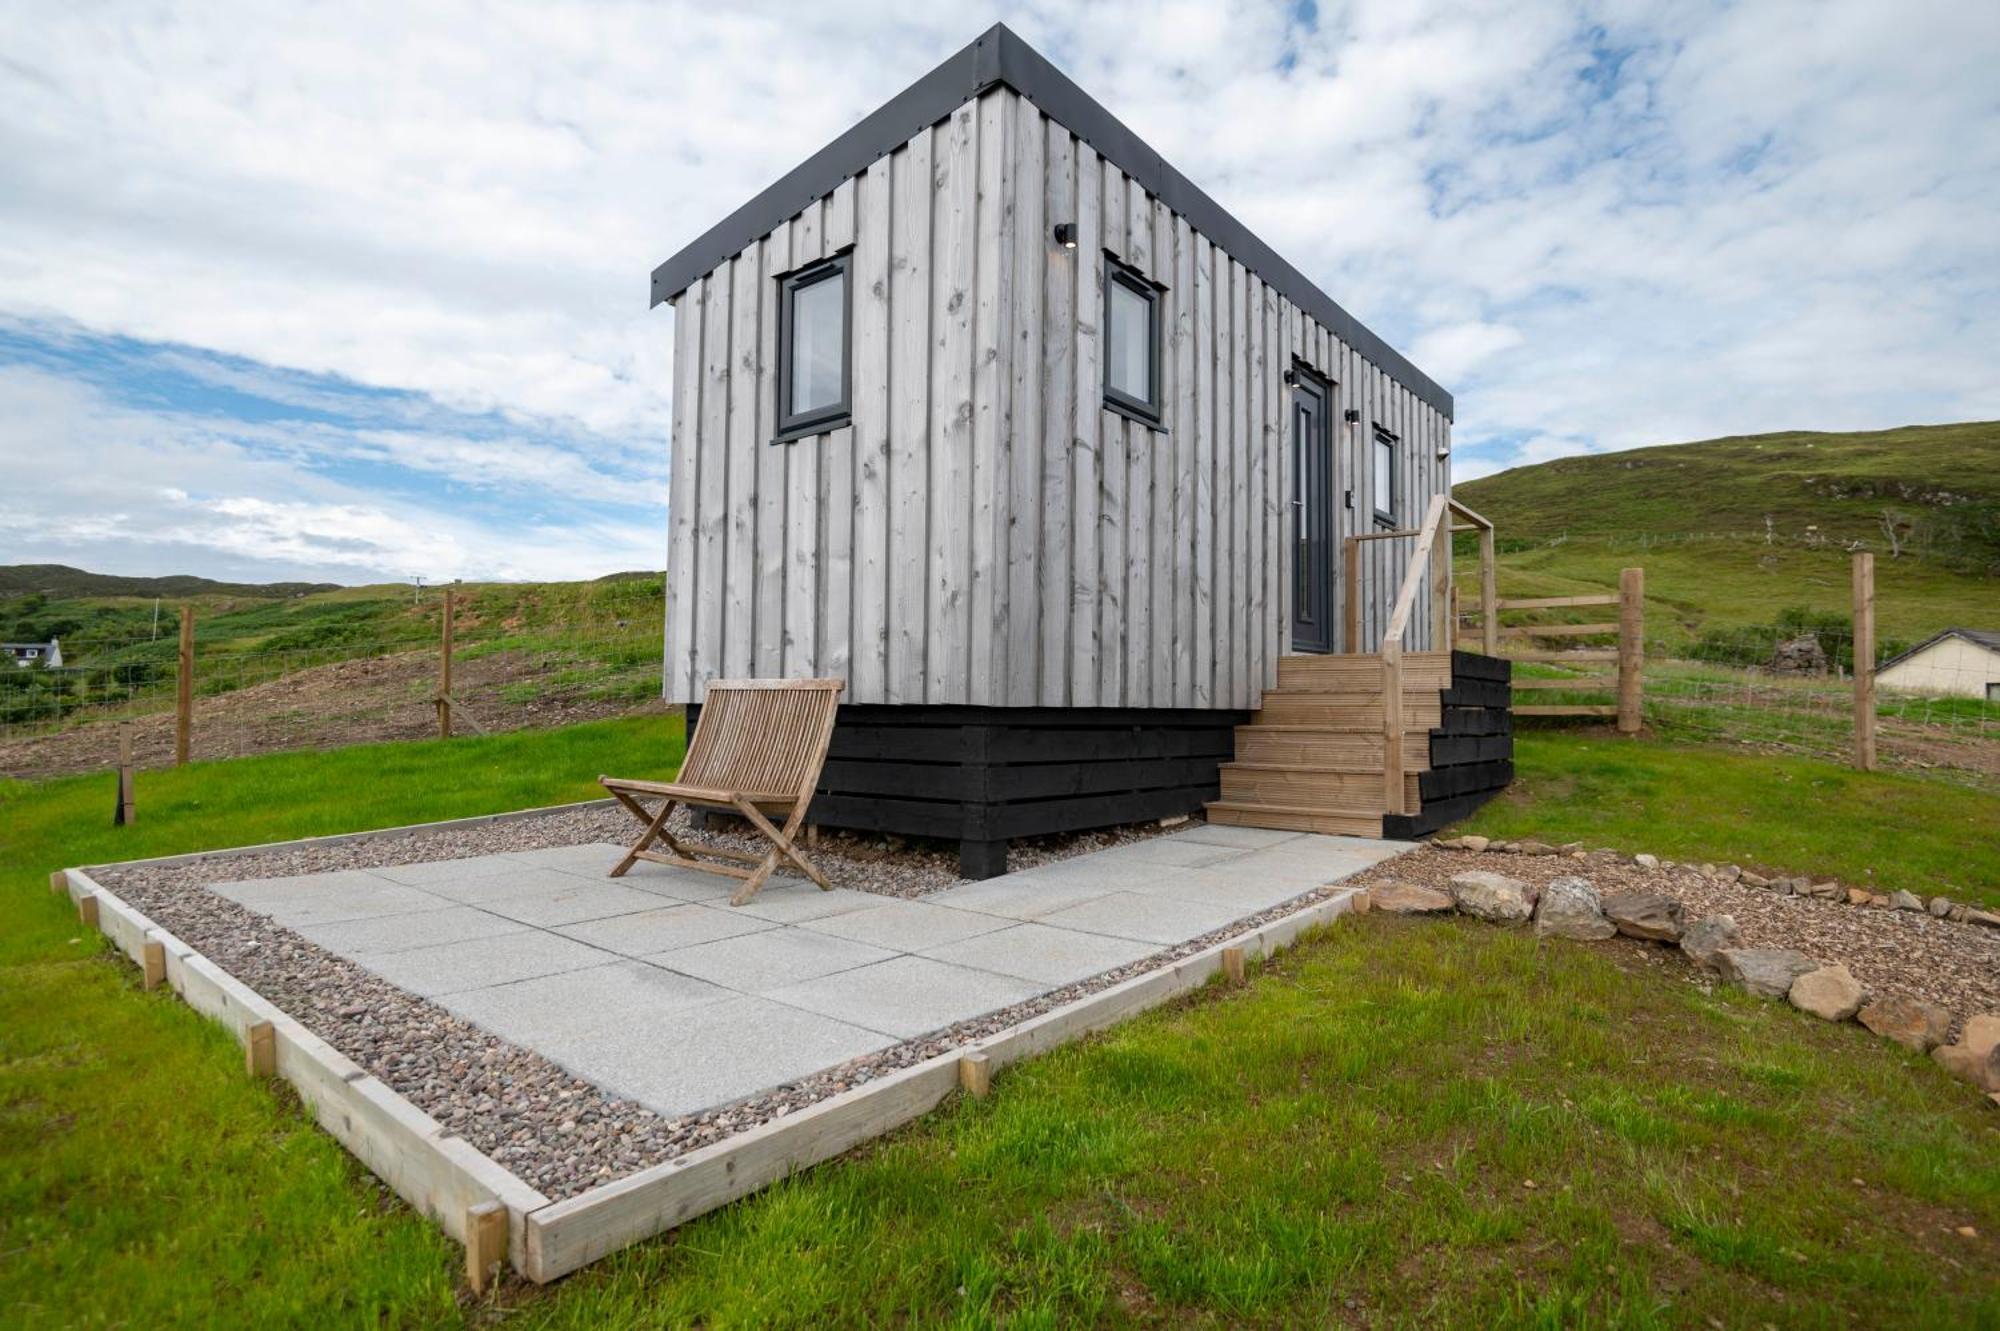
{"x":998,"y":57}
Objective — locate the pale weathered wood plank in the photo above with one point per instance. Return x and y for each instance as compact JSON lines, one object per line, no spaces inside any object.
{"x":948,"y":640}
{"x":804,"y":519}
{"x":992,"y":400}
{"x":1203,"y":355}
{"x":713,"y":515}
{"x":1085,"y":630}
{"x":1182,"y":543}
{"x":909,"y":405}
{"x":1026,"y":440}
{"x":683,"y":497}
{"x":869,"y":640}
{"x":1113,"y":452}
{"x":1058,"y":432}
{"x":737,"y":452}
{"x":767,"y":589}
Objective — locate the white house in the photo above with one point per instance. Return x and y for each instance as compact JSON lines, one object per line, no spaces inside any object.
{"x":1957,"y":663}
{"x":26,"y":654}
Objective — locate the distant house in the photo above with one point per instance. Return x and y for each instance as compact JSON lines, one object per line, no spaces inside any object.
{"x":34,"y":653}
{"x":1958,"y":663}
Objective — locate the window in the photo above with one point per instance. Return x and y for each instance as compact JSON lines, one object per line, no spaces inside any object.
{"x":1385,"y":477}
{"x":1131,"y":343}
{"x":812,"y":350}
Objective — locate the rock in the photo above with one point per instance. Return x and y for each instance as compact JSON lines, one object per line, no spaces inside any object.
{"x":1569,"y":908}
{"x":1859,"y":896}
{"x":1474,"y":844}
{"x":1408,"y":899}
{"x":1902,"y":899}
{"x":1982,"y":1070}
{"x":1755,"y":879}
{"x":1829,"y":993}
{"x":1494,"y":897}
{"x":1940,"y":907}
{"x":1981,"y":1033}
{"x":1988,"y":918}
{"x":1534,"y":848}
{"x":1730,"y":873}
{"x":1879,"y":900}
{"x":1910,"y":1022}
{"x":1764,"y":970}
{"x":1708,"y":936}
{"x":1800,"y":656}
{"x":1645,"y":915}
{"x":1823,"y":891}
{"x":1646,"y":861}
{"x":1571,"y":848}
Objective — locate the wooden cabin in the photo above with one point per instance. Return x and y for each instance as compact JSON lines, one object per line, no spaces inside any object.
{"x":1104,"y":511}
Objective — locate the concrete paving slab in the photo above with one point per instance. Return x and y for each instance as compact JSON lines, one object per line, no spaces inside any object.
{"x":906,"y":996}
{"x":593,"y":860}
{"x":666,"y":880}
{"x":581,"y":1004}
{"x":1172,"y":851}
{"x":759,"y":962}
{"x":479,"y":963}
{"x":446,"y":871}
{"x":680,"y":924}
{"x":793,"y":900}
{"x":1245,"y":893}
{"x":1022,"y":896}
{"x":1155,"y":920}
{"x":574,"y":901}
{"x":1101,"y":873}
{"x":712,"y":1054}
{"x":1244,"y":838}
{"x":906,"y":926}
{"x":350,"y":894}
{"x":1042,"y":953}
{"x":400,"y":933}
{"x":484,"y":889}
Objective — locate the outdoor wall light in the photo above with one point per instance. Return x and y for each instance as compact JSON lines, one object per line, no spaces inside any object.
{"x":1066,"y":235}
{"x":1351,"y":416}
{"x":1291,"y":378}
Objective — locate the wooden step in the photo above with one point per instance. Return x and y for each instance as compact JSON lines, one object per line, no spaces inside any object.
{"x":1322,"y":672}
{"x":1327,"y":746}
{"x":1327,"y":822}
{"x":1421,"y":711}
{"x":1308,"y":787}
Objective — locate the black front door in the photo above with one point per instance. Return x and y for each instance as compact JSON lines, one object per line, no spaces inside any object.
{"x":1312,"y":516}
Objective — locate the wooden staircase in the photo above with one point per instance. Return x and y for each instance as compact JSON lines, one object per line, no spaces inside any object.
{"x":1311,"y":758}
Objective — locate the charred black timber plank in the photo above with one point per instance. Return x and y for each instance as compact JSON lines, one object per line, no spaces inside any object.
{"x":876,"y":813}
{"x":1477,"y":665}
{"x":943,"y":782}
{"x":1042,"y":817}
{"x":1006,"y":784}
{"x":1451,"y":750}
{"x":1472,"y":721}
{"x":1442,"y":783}
{"x":1477,"y":693}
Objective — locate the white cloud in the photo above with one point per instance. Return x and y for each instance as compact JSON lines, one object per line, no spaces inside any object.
{"x":1601,"y":222}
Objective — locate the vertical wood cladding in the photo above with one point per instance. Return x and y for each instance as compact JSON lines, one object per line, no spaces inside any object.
{"x":984,"y":532}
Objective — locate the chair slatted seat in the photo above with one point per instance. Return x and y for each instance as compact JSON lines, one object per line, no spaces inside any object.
{"x":757,"y":750}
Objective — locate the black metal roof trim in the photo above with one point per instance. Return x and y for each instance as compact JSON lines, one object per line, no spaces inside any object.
{"x":998,"y":57}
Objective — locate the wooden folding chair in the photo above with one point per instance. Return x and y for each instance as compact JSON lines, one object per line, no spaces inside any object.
{"x":758,"y":745}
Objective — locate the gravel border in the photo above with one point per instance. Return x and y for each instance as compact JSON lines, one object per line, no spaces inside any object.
{"x":558,"y":1133}
{"x":1951,"y":963}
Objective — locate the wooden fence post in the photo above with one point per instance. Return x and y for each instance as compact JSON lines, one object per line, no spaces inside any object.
{"x":1631,"y":646}
{"x":184,"y":690}
{"x":1489,"y":595}
{"x":1864,"y":661}
{"x":444,"y":672}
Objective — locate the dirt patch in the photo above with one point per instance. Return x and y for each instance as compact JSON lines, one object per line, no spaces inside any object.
{"x":361,"y":701}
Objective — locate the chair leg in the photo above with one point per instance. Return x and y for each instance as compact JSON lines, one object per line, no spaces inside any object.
{"x":655,"y":827}
{"x":782,"y":840}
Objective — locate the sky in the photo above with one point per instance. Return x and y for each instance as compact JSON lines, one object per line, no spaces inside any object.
{"x":358,"y":292}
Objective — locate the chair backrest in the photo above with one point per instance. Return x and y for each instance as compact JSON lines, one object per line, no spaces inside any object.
{"x":765,"y":735}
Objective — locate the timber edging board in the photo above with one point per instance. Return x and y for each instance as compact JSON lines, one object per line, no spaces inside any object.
{"x":446,"y":1178}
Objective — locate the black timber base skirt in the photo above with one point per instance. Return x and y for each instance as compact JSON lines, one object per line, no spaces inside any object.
{"x":982,"y":776}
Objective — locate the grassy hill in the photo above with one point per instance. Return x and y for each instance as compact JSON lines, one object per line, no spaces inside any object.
{"x":1735,"y":532}
{"x":60,"y":580}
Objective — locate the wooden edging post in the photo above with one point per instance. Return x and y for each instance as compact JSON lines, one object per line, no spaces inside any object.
{"x":86,"y":909}
{"x":975,"y":1074}
{"x":184,"y":690}
{"x":153,"y":964}
{"x":1232,"y":964}
{"x":1864,"y":661}
{"x":260,"y":1049}
{"x":485,"y":1244}
{"x":1631,"y":647}
{"x":444,"y":671}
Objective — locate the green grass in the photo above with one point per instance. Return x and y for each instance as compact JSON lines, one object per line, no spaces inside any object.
{"x":1350,"y":1139}
{"x":1872,"y":829}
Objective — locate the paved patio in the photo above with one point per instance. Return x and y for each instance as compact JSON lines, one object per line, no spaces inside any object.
{"x":656,"y":989}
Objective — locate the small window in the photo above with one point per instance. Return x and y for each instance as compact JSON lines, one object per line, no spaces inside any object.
{"x":1385,"y":477}
{"x":812,"y":350}
{"x":1131,"y":343}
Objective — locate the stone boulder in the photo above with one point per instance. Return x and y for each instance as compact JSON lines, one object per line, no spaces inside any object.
{"x":1799,"y":656}
{"x":1645,"y":861}
{"x":1569,"y":908}
{"x":1475,"y":844}
{"x":1709,"y":935}
{"x":1647,"y":915}
{"x":1981,"y":1033}
{"x":1408,"y":899}
{"x":1903,"y":899}
{"x":1764,"y":970}
{"x":1829,"y":993}
{"x":1493,"y":897}
{"x":1910,"y":1022}
{"x":1828,"y":891}
{"x":1981,"y":1069}
{"x":1940,"y":907}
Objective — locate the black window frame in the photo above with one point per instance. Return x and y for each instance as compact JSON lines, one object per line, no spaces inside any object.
{"x":1379,"y":437}
{"x":1151,"y":410}
{"x":792,"y":424}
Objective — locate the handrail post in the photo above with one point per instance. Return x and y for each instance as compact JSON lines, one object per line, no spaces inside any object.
{"x":1442,"y":628}
{"x":1392,"y":726}
{"x":1489,"y":595}
{"x":1350,"y":610}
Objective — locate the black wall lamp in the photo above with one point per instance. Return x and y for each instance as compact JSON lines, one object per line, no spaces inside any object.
{"x":1351,"y":416}
{"x":1291,"y":378}
{"x":1066,"y":235}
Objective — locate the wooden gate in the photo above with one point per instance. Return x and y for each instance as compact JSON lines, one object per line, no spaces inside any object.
{"x":1524,"y":639}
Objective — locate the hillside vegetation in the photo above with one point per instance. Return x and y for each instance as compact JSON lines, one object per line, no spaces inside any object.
{"x":1738,"y":531}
